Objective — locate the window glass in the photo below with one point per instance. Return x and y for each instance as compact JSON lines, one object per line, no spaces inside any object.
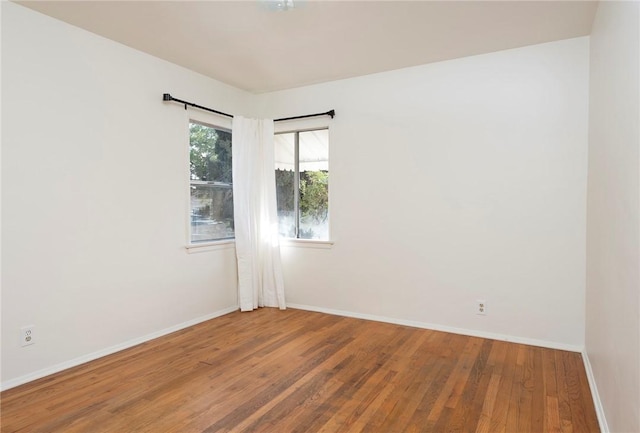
{"x":302,"y":183}
{"x":210,"y":183}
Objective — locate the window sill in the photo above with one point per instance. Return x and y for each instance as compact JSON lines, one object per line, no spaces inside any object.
{"x":226,"y":244}
{"x":306,"y":243}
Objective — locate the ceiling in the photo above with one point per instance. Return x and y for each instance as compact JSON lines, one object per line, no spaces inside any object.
{"x":253,"y":46}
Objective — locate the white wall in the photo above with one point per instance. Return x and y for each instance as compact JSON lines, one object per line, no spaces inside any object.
{"x":613,"y":216}
{"x":95,"y":195}
{"x":452,"y":182}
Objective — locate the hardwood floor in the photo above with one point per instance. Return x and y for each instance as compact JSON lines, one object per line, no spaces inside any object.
{"x":297,"y":371}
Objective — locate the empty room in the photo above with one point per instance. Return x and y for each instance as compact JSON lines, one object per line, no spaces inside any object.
{"x":320,"y":216}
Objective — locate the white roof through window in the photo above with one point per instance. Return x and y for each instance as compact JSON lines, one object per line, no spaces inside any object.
{"x":314,"y":150}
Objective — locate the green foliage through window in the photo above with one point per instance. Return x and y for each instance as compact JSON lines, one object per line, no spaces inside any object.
{"x":210,"y":153}
{"x":314,"y":195}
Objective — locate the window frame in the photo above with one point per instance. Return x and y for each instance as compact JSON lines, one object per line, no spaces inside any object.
{"x":306,"y":126}
{"x":216,"y":122}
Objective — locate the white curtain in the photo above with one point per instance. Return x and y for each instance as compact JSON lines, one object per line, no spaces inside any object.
{"x":260,"y":281}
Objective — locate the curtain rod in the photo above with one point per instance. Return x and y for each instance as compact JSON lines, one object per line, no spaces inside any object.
{"x":168,"y":97}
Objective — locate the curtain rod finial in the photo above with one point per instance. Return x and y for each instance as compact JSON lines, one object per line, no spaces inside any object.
{"x":332,"y":113}
{"x":167,"y":97}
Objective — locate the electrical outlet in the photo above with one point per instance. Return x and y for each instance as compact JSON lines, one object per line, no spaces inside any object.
{"x":481,"y":307}
{"x":27,"y":335}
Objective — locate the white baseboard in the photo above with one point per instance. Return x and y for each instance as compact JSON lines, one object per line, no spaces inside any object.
{"x":113,"y":349}
{"x":602,"y":421}
{"x":604,"y":428}
{"x":502,"y":337}
{"x":110,"y":350}
{"x":436,"y":327}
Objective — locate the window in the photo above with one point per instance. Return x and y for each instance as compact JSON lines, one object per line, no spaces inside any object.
{"x":210,"y":183}
{"x":302,"y":183}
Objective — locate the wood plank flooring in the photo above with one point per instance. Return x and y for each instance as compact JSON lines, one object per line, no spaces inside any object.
{"x":298,"y":371}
